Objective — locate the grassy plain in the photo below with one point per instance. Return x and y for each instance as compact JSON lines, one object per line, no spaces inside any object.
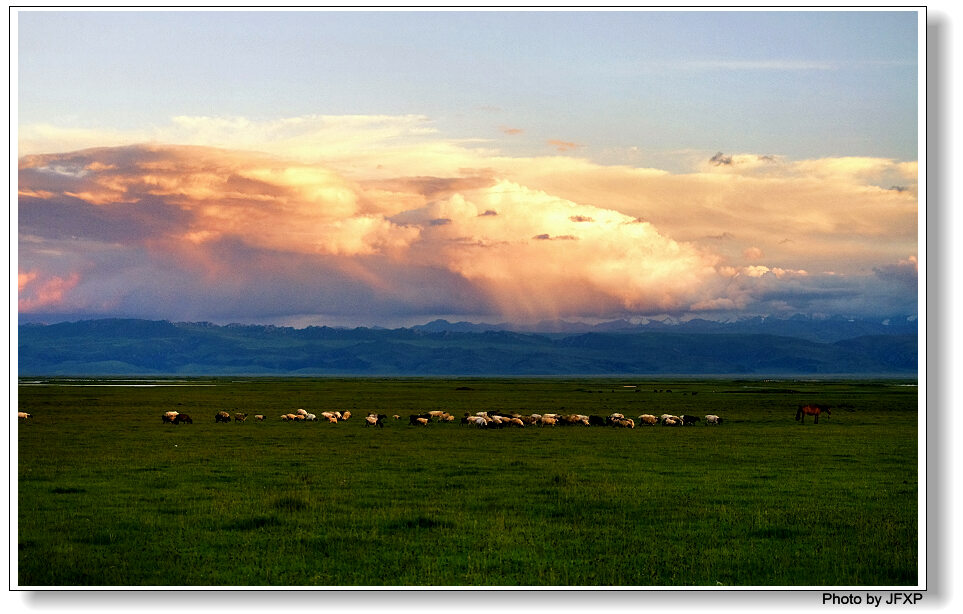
{"x":107,"y":495}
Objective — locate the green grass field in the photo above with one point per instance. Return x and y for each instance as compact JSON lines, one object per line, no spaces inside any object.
{"x":108,"y":495}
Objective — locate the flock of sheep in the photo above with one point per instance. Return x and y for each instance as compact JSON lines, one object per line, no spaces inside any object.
{"x":174,"y":417}
{"x":331,"y":416}
{"x":498,"y":420}
{"x":483,"y":419}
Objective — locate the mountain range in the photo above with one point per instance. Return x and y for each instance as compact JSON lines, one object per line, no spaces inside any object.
{"x":760,"y":346}
{"x":804,"y":327}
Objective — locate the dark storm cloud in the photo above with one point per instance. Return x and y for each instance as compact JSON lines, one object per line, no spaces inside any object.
{"x":903,"y":274}
{"x":880,"y":295}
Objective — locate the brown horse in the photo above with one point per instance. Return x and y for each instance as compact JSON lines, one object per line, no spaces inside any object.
{"x":813,"y":410}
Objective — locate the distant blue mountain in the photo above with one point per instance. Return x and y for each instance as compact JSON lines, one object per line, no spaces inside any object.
{"x":814,"y":329}
{"x":128,"y":346}
{"x":439,"y":326}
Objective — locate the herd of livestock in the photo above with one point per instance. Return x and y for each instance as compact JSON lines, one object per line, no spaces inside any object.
{"x":483,"y":419}
{"x":486,"y":419}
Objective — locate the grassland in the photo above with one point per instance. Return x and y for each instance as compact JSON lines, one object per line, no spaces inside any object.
{"x":109,"y":496}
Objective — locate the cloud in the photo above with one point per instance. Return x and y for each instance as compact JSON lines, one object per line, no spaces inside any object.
{"x":903,"y":273}
{"x":195,"y":195}
{"x":818,"y":215}
{"x":403,"y":145}
{"x":762,"y":290}
{"x":563,"y":145}
{"x":381,"y":215}
{"x":539,"y":258}
{"x":547,"y":237}
{"x":752,"y":253}
{"x":209,"y":215}
{"x":720,"y":159}
{"x":37,"y":291}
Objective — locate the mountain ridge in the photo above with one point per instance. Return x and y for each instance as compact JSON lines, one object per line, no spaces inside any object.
{"x":158,"y":347}
{"x":833,"y":328}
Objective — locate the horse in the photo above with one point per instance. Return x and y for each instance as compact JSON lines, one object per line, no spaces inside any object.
{"x":813,"y":409}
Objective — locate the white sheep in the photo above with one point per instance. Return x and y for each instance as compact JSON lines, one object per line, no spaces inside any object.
{"x":477,"y":421}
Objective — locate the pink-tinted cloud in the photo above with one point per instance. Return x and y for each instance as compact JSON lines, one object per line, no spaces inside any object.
{"x":209,"y":214}
{"x":37,"y":291}
{"x":752,"y":253}
{"x":220,"y":194}
{"x":542,"y":256}
{"x":396,"y":222}
{"x":833,"y":214}
{"x":560,"y":145}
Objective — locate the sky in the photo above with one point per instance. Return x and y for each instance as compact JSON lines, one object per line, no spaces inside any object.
{"x":386,"y":168}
